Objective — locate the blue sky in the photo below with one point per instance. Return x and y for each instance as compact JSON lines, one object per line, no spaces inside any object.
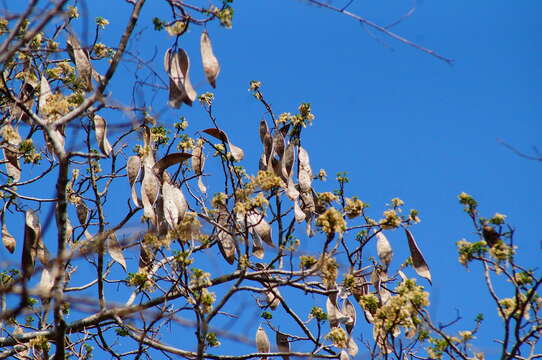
{"x":398,"y":121}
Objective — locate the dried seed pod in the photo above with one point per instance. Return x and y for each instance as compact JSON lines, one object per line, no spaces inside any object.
{"x":211,"y":67}
{"x":133,"y":169}
{"x":8,"y":239}
{"x":82,"y":212}
{"x":101,"y":135}
{"x":236,"y":152}
{"x":349,"y":310}
{"x":262,"y":342}
{"x":344,"y":355}
{"x":283,"y":345}
{"x":13,"y":166}
{"x":45,"y":94}
{"x":383,"y":249}
{"x":490,"y":235}
{"x":170,"y":209}
{"x":291,"y":189}
{"x":298,"y":213}
{"x":333,"y":313}
{"x":418,"y":260}
{"x":352,"y":347}
{"x":46,"y":283}
{"x":272,"y":297}
{"x":115,"y":250}
{"x":260,"y":227}
{"x":82,"y":62}
{"x":278,"y":144}
{"x":288,"y":161}
{"x":169,"y":160}
{"x":177,"y":65}
{"x":305,"y":172}
{"x":257,"y":247}
{"x":264,"y":131}
{"x":198,"y":160}
{"x":33,"y":245}
{"x":226,"y":245}
{"x":150,"y":188}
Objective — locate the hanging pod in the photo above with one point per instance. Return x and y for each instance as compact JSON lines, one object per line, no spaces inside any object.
{"x":211,"y":67}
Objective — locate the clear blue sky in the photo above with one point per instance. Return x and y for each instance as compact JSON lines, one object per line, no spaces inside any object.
{"x":400,"y":122}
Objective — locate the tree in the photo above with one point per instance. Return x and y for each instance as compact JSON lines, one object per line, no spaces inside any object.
{"x":212,"y":238}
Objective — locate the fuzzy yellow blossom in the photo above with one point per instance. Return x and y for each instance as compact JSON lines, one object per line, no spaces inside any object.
{"x":254,"y":85}
{"x":56,"y":106}
{"x":259,"y":201}
{"x":391,"y":220}
{"x":3,"y":25}
{"x":512,"y":307}
{"x":402,"y":309}
{"x":186,"y":143}
{"x":285,"y":117}
{"x":267,"y":180}
{"x":354,"y":207}
{"x":338,"y":337}
{"x":322,"y":175}
{"x":328,"y":270}
{"x":206,"y":98}
{"x":219,"y":200}
{"x":501,"y":251}
{"x":466,"y":335}
{"x":327,"y":197}
{"x":100,"y":50}
{"x":396,"y":202}
{"x":331,"y":221}
{"x":73,"y":12}
{"x":189,"y":227}
{"x":102,"y":22}
{"x":176,"y":28}
{"x":498,"y":219}
{"x":10,"y":135}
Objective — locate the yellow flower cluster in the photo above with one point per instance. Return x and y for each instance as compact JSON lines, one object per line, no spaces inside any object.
{"x":267,"y":180}
{"x":402,"y":309}
{"x":206,"y":98}
{"x":513,"y":307}
{"x":331,"y":221}
{"x":189,"y":227}
{"x":176,"y":28}
{"x":328,"y":270}
{"x":259,"y":201}
{"x":10,"y":135}
{"x":391,"y":220}
{"x":327,"y":197}
{"x":219,"y":200}
{"x":354,"y":207}
{"x":338,"y":337}
{"x":101,"y":50}
{"x":501,"y":252}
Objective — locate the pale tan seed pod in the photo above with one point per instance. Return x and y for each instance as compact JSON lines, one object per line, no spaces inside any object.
{"x":418,"y":260}
{"x":283,"y":345}
{"x":349,"y":310}
{"x":8,"y":239}
{"x":150,"y":188}
{"x":115,"y":250}
{"x":82,"y":62}
{"x":177,"y":65}
{"x":101,"y":135}
{"x":211,"y":67}
{"x":272,"y":297}
{"x":383,"y":249}
{"x":133,"y":169}
{"x":262,"y":342}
